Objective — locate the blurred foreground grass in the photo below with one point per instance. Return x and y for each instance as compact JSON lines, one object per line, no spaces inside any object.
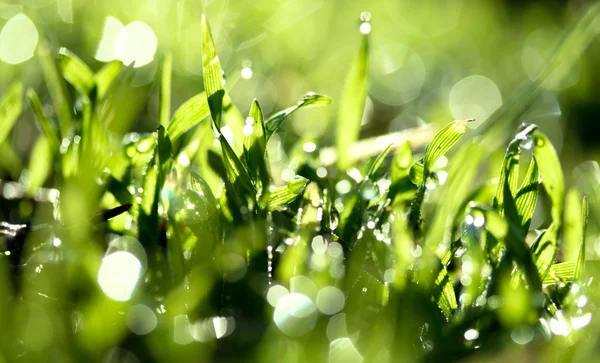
{"x":193,"y":243}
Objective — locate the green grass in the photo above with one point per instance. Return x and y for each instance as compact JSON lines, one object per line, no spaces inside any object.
{"x":180,"y":245}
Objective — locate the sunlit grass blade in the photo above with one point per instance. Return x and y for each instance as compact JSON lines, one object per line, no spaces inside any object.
{"x":61,"y":99}
{"x":573,"y":226}
{"x":447,"y":297}
{"x":105,"y":77}
{"x":561,"y":273}
{"x":581,"y":257}
{"x":165,"y":91}
{"x":308,"y":100}
{"x":236,"y":173}
{"x":40,"y":164}
{"x":201,"y":186}
{"x":281,"y":196}
{"x":52,"y":139}
{"x":378,"y":162}
{"x":11,"y":105}
{"x":352,"y":104}
{"x":190,"y":113}
{"x":441,"y":143}
{"x":154,"y":178}
{"x":255,"y":145}
{"x":402,"y":161}
{"x":553,"y":182}
{"x":213,"y":75}
{"x":76,"y":72}
{"x":515,"y":244}
{"x":526,"y":197}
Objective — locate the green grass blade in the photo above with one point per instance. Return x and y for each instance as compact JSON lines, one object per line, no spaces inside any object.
{"x":561,"y":272}
{"x":11,"y":106}
{"x":165,"y":91}
{"x":188,"y":115}
{"x":40,"y":164}
{"x":201,"y":186}
{"x":352,"y":104}
{"x":581,"y":257}
{"x":45,"y":124}
{"x":76,"y":72}
{"x":105,"y":77}
{"x":443,"y":141}
{"x":282,"y":196}
{"x":447,"y":298}
{"x":154,"y":178}
{"x":308,"y":100}
{"x":61,"y":99}
{"x":213,"y":75}
{"x":402,"y":161}
{"x":526,"y":197}
{"x":552,"y":179}
{"x":573,"y":226}
{"x":236,"y":173}
{"x":378,"y":162}
{"x":255,"y":144}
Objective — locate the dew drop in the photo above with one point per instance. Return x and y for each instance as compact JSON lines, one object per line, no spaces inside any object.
{"x":369,"y":190}
{"x":365,"y":25}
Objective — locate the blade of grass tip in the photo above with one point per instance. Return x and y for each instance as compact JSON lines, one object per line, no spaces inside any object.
{"x":76,"y":72}
{"x":352,"y":104}
{"x":509,"y":166}
{"x":581,"y":257}
{"x":255,"y":145}
{"x":40,"y":164}
{"x":286,"y":194}
{"x":45,"y":124}
{"x":61,"y":99}
{"x":441,"y":143}
{"x":553,"y":182}
{"x":309,"y":100}
{"x":105,"y":77}
{"x":165,"y":91}
{"x":378,"y":162}
{"x":213,"y":75}
{"x":11,"y":106}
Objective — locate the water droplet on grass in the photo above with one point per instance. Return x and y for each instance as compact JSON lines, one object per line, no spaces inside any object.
{"x":369,"y":190}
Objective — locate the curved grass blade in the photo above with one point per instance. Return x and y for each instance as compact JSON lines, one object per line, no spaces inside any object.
{"x":441,"y":143}
{"x":255,"y":144}
{"x":561,"y":272}
{"x":164,"y":112}
{"x":105,"y":77}
{"x":286,"y":194}
{"x":352,"y":104}
{"x":11,"y":106}
{"x":553,"y":181}
{"x":308,"y":100}
{"x":213,"y":75}
{"x":40,"y":164}
{"x":378,"y":162}
{"x":188,"y":115}
{"x":76,"y":72}
{"x":57,"y":88}
{"x":45,"y":124}
{"x":526,"y":197}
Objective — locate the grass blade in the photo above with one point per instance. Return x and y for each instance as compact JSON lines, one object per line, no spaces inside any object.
{"x":561,"y":272}
{"x":581,"y":258}
{"x":165,"y":91}
{"x":40,"y":164}
{"x":11,"y":106}
{"x":213,"y":75}
{"x":76,"y":72}
{"x":57,"y":88}
{"x":573,"y":227}
{"x":308,"y":100}
{"x":286,"y":194}
{"x":352,"y":104}
{"x":190,"y":113}
{"x":105,"y":77}
{"x":236,"y":173}
{"x":45,"y":124}
{"x":526,"y":197}
{"x":443,"y":141}
{"x":255,"y":145}
{"x":552,"y":179}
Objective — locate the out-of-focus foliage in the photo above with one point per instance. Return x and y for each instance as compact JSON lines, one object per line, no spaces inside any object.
{"x":142,"y":226}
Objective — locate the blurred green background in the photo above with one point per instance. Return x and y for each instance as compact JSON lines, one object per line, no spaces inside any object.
{"x":431,"y":61}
